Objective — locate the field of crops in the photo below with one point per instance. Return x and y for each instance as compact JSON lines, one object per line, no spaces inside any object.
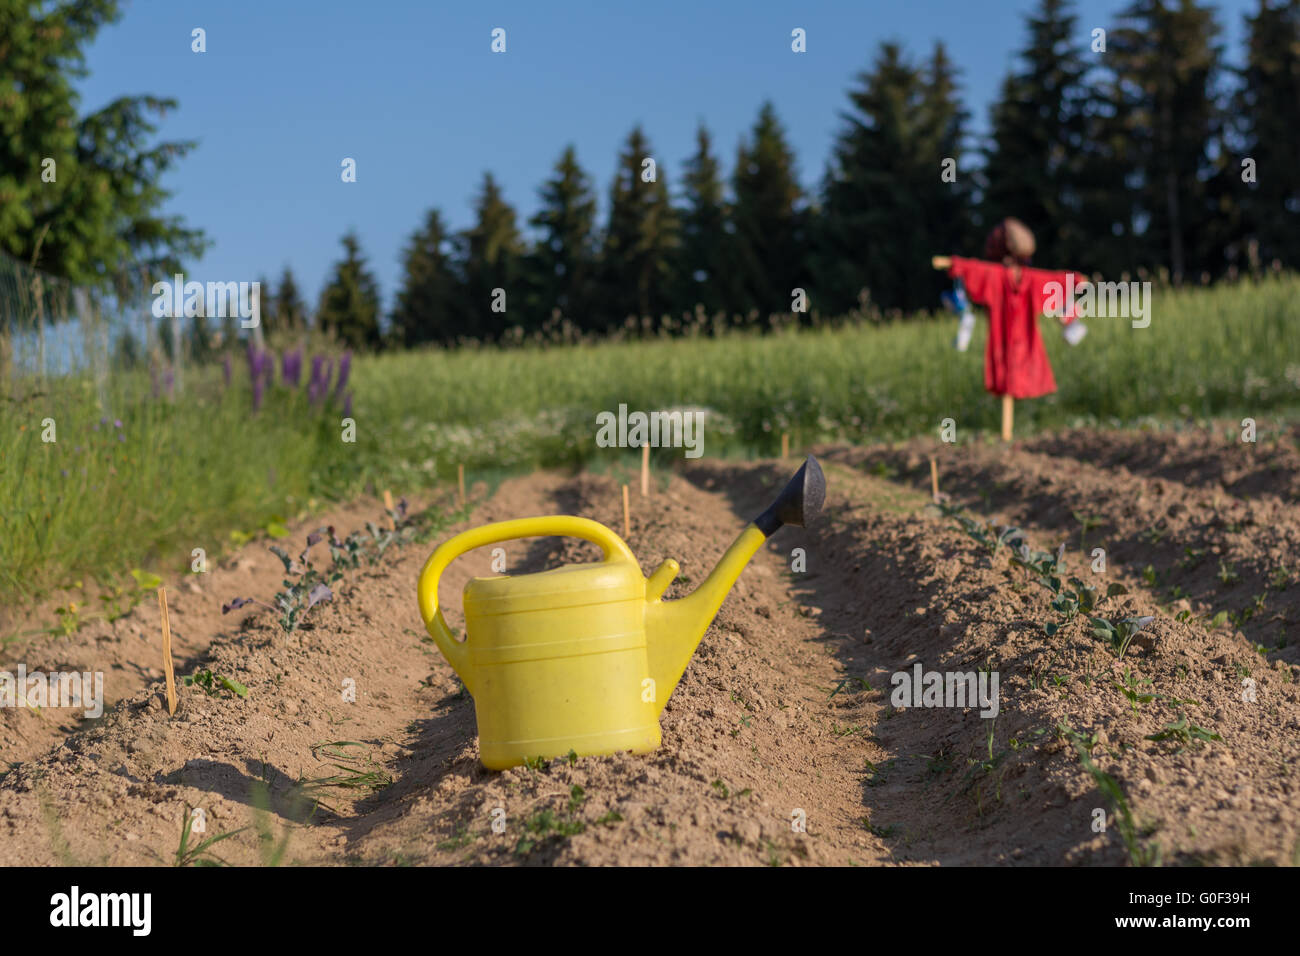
{"x":138,"y":478}
{"x":1147,"y":713}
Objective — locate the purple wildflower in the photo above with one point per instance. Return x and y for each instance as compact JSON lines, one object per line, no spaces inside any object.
{"x":235,"y":605}
{"x":319,"y":593}
{"x":291,"y":368}
{"x":347,"y":406}
{"x":117,"y":423}
{"x":345,"y":367}
{"x":315,"y":387}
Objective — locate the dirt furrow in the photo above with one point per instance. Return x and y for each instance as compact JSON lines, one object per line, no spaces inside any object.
{"x":356,"y":742}
{"x":1195,"y":548}
{"x":127,"y":650}
{"x":1195,"y":457}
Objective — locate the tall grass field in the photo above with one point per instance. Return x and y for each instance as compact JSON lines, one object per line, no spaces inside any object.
{"x":138,"y":480}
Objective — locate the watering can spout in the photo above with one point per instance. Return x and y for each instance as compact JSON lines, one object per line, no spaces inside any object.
{"x":674,"y":628}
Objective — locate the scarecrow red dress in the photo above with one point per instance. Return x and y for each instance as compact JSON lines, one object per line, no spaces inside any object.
{"x":1015,"y":362}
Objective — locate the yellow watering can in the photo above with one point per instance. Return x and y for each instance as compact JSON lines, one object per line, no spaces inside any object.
{"x":583,"y":658}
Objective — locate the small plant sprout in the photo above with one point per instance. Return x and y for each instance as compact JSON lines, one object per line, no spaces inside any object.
{"x":1120,"y":634}
{"x":213,"y":684}
{"x":1184,"y":732}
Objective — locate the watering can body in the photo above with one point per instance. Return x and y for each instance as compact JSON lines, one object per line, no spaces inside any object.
{"x":581,"y":658}
{"x":558,"y":663}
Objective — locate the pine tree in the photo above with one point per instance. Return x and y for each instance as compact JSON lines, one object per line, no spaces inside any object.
{"x":703,"y":267}
{"x":1166,"y":66}
{"x":640,"y":239}
{"x":489,"y":257}
{"x":769,"y":242}
{"x":429,"y":307}
{"x":1032,"y":167}
{"x":290,"y":310}
{"x":884,"y":203}
{"x":941,"y":131}
{"x":102,"y":208}
{"x":562,"y":264}
{"x":1267,"y":105}
{"x":349,"y":304}
{"x":266,"y":304}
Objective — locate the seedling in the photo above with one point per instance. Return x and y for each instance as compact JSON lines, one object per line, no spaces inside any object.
{"x":1227,"y":573}
{"x":847,"y":681}
{"x":1140,"y":854}
{"x":1086,"y":524}
{"x":213,"y":684}
{"x":200,"y":854}
{"x":1185,"y":732}
{"x":1119,"y":635}
{"x":1131,"y":689}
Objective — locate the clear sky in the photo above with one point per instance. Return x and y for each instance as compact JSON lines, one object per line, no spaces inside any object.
{"x":411,"y":90}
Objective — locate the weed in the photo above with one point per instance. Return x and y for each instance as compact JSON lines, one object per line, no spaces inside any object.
{"x":200,"y":854}
{"x":213,"y":684}
{"x":1184,"y":732}
{"x":1140,"y":854}
{"x":1086,"y":524}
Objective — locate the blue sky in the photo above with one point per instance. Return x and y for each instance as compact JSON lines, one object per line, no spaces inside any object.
{"x":412,"y":91}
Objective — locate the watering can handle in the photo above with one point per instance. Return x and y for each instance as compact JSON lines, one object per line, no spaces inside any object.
{"x":456,"y":652}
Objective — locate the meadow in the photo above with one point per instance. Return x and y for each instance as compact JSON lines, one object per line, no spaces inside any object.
{"x":137,"y":480}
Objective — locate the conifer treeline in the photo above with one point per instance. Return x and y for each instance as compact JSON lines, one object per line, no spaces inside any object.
{"x":1150,"y":154}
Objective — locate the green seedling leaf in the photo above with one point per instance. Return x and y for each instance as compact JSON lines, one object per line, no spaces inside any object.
{"x":145,"y":580}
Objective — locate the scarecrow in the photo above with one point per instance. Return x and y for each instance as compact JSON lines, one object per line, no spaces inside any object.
{"x":1015,"y":362}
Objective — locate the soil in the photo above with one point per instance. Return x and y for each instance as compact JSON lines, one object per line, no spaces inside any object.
{"x":783,"y":743}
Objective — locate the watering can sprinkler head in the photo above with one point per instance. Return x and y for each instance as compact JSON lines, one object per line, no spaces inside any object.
{"x":799,"y":502}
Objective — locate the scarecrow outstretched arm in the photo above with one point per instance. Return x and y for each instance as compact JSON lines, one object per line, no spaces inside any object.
{"x":941,"y":262}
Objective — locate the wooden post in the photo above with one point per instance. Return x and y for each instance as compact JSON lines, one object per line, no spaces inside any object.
{"x":785,"y":445}
{"x":627,"y":518}
{"x":645,"y":470}
{"x":1008,"y":416}
{"x":167,"y":653}
{"x":934,"y":479}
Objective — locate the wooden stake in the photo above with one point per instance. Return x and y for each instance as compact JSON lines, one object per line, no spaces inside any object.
{"x":934,"y":479}
{"x":785,"y":445}
{"x":1008,"y":416}
{"x":460,"y":483}
{"x":645,"y":470}
{"x":167,"y":653}
{"x":627,"y":519}
{"x":388,"y":499}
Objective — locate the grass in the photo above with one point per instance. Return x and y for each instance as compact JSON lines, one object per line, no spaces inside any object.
{"x":204,"y":471}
